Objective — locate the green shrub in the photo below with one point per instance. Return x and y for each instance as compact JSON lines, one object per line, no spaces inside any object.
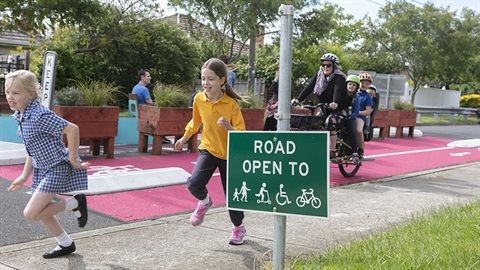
{"x":470,"y":101}
{"x":250,"y":100}
{"x":170,"y":95}
{"x":398,"y":104}
{"x":68,"y":96}
{"x":99,"y":93}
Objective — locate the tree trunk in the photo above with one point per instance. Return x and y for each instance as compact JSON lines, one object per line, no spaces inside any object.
{"x":251,"y":62}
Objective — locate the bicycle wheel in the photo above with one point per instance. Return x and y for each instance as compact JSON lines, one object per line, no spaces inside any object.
{"x":345,"y":165}
{"x":316,"y":202}
{"x":348,"y":168}
{"x":300,"y":201}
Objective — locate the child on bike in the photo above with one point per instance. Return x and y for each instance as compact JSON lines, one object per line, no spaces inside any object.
{"x":372,"y":90}
{"x":342,"y":117}
{"x":362,"y":108}
{"x":217,"y":109}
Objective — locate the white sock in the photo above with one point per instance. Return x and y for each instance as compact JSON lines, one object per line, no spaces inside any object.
{"x":64,"y":240}
{"x":71,"y":203}
{"x":206,"y":200}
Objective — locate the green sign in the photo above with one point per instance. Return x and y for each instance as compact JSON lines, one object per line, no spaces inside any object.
{"x":278,"y":172}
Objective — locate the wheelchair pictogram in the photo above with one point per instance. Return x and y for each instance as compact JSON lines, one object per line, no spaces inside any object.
{"x":282,"y":197}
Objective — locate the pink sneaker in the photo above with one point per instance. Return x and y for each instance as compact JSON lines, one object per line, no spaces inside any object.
{"x":197,"y":217}
{"x":238,"y":233}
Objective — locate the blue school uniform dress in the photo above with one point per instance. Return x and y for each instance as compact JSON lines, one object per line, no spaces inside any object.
{"x":42,"y":133}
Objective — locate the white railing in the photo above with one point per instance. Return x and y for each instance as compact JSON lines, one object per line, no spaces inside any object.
{"x":451,"y":111}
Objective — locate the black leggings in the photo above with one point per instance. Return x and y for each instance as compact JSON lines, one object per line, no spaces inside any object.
{"x":201,"y":175}
{"x":338,"y":119}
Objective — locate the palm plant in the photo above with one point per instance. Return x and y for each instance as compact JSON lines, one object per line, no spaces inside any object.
{"x":170,"y":95}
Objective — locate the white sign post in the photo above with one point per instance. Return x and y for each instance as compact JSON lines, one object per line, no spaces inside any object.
{"x":48,"y":78}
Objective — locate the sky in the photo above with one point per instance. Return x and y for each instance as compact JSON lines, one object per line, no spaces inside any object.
{"x":360,"y":8}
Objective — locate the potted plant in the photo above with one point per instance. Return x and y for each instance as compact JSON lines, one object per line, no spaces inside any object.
{"x":403,"y":115}
{"x":253,"y":111}
{"x":168,"y":117}
{"x":86,"y":105}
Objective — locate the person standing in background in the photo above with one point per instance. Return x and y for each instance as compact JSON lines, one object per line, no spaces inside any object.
{"x":141,"y":89}
{"x":272,"y":105}
{"x":232,"y":77}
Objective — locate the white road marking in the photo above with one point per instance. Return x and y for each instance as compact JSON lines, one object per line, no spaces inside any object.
{"x":459,"y":154}
{"x":410,"y":152}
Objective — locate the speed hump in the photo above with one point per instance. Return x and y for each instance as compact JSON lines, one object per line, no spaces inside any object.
{"x":277,"y":172}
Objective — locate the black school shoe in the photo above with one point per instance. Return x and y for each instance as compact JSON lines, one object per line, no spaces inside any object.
{"x":54,"y":253}
{"x":82,"y":208}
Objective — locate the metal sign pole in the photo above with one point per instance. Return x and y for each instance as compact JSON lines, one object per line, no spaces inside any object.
{"x":284,"y":93}
{"x":48,"y":78}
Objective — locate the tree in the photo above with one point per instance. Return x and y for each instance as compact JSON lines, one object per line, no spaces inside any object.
{"x":44,"y":15}
{"x":237,"y":20}
{"x":120,"y":44}
{"x":424,"y":41}
{"x":326,"y":24}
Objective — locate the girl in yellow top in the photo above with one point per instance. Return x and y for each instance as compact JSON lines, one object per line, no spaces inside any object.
{"x":217,"y":109}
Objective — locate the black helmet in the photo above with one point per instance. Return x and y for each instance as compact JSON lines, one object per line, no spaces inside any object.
{"x":330,"y":57}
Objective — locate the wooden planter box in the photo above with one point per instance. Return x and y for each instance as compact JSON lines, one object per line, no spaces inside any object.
{"x":380,"y":122}
{"x":400,"y":119}
{"x":159,"y":122}
{"x":254,"y":118}
{"x":98,"y":125}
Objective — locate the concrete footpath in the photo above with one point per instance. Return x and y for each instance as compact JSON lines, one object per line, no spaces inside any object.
{"x":172,"y":243}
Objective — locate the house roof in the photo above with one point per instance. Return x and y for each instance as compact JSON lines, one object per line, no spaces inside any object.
{"x":17,"y":38}
{"x":182,"y":21}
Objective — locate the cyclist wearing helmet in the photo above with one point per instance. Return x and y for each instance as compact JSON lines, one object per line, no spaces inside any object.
{"x":341,"y":116}
{"x":372,"y":90}
{"x":327,"y":84}
{"x":362,"y":107}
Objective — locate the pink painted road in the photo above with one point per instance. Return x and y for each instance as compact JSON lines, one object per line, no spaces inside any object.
{"x":392,"y":157}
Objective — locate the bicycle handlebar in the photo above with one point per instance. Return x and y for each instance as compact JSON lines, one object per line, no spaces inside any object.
{"x":312,"y":108}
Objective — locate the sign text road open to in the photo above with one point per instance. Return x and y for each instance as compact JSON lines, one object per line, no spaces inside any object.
{"x":284,"y":173}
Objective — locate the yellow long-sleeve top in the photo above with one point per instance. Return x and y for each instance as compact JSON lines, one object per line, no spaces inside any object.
{"x":214,"y":137}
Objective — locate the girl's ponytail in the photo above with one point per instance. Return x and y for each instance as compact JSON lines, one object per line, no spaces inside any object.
{"x":231,"y":93}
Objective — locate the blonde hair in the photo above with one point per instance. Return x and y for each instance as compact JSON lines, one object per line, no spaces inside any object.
{"x":220,"y":69}
{"x":25,"y":80}
{"x":372,"y":92}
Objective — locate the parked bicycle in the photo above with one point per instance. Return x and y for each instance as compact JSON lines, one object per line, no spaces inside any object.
{"x":315,"y":122}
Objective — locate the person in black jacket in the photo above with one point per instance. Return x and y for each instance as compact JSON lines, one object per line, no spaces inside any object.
{"x":327,"y":84}
{"x":272,"y":105}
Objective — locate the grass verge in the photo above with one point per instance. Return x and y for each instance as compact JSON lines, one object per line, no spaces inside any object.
{"x":445,"y":119}
{"x":444,"y":238}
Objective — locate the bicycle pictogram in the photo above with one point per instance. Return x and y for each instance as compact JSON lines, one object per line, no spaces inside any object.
{"x":308,"y":198}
